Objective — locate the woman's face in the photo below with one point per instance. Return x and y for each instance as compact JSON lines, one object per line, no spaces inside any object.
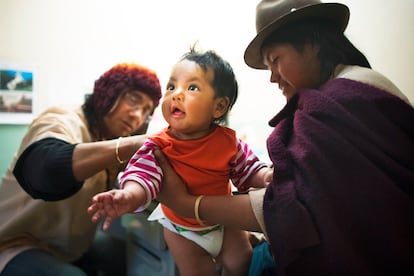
{"x":130,"y":112}
{"x":291,"y":69}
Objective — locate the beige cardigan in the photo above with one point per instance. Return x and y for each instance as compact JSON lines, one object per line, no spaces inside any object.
{"x":62,"y":227}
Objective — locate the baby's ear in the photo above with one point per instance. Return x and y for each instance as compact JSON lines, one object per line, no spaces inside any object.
{"x":221,"y":106}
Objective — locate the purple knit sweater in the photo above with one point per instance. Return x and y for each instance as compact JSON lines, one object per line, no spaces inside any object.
{"x":342,"y":199}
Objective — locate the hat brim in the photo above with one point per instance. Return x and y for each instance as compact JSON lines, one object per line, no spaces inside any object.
{"x":334,"y":12}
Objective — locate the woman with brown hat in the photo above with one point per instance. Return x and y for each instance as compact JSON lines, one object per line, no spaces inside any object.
{"x":67,"y":156}
{"x":342,"y":197}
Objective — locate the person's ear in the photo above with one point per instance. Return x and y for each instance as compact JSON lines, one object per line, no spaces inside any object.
{"x":221,"y":106}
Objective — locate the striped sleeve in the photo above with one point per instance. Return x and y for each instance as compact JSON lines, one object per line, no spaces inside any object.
{"x":245,"y":164}
{"x":143,"y":168}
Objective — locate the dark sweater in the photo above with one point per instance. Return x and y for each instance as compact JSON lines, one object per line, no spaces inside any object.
{"x":342,"y":199}
{"x":44,"y":170}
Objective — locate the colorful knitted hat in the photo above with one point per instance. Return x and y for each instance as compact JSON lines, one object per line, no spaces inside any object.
{"x":121,"y":78}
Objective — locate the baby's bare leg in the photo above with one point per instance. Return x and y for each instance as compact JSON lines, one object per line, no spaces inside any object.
{"x":236,"y":253}
{"x":190,"y":258}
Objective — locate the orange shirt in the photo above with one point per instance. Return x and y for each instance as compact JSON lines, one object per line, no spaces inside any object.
{"x":204,"y":164}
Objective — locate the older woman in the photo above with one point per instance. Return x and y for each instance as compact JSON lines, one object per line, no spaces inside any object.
{"x":342,"y":197}
{"x":67,"y":156}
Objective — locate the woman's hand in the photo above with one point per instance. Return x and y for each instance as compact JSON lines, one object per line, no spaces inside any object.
{"x":231,"y":211}
{"x":268,"y":177}
{"x":173,"y":191}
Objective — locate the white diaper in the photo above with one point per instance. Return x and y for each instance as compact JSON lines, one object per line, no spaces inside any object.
{"x":210,"y":238}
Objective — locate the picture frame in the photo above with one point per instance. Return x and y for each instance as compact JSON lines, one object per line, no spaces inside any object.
{"x":16,"y":95}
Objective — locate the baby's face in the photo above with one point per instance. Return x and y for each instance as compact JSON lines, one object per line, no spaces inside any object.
{"x":189,"y":103}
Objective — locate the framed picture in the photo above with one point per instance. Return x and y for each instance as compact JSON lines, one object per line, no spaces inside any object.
{"x":16,"y":95}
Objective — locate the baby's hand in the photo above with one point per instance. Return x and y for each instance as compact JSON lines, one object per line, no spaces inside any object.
{"x":268,"y":177}
{"x":111,"y":204}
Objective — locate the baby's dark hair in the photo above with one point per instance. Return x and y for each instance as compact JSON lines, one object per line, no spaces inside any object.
{"x":224,"y":81}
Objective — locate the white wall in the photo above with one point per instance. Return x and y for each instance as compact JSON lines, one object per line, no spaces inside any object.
{"x":70,"y":43}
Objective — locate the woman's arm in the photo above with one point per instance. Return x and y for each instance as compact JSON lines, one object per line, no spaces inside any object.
{"x":230,"y":211}
{"x":90,"y":158}
{"x":52,"y":169}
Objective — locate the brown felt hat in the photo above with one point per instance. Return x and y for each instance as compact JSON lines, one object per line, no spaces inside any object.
{"x":271,"y":15}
